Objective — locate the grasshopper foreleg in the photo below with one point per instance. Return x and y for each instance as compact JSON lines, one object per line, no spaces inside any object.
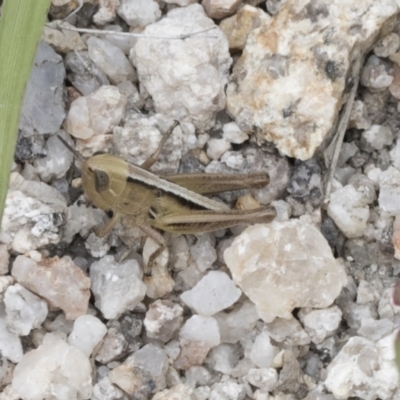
{"x":102,"y":231}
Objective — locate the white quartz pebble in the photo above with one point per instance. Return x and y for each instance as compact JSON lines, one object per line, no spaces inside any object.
{"x":178,"y":392}
{"x":217,"y":147}
{"x":320,"y":324}
{"x":87,"y":333}
{"x":139,"y":13}
{"x":96,"y":114}
{"x":389,"y":193}
{"x":263,"y":351}
{"x":233,"y":134}
{"x":24,"y":310}
{"x":58,"y":159}
{"x":378,"y":136}
{"x":348,"y":208}
{"x":116,"y":287}
{"x":215,"y":292}
{"x":10,"y":344}
{"x":201,"y":329}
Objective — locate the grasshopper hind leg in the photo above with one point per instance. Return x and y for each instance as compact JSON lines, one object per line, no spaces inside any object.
{"x":162,"y":245}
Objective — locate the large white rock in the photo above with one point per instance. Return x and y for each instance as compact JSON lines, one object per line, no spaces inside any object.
{"x":289,"y":82}
{"x":116,"y":287}
{"x":212,"y":294}
{"x":186,"y":78}
{"x":364,"y":369}
{"x":285,"y":265}
{"x":55,"y":370}
{"x":349,"y":209}
{"x":58,"y":280}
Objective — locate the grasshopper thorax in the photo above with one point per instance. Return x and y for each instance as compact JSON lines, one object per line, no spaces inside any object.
{"x":104,"y":178}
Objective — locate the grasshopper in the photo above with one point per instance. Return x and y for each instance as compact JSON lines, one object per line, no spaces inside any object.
{"x":173,"y":203}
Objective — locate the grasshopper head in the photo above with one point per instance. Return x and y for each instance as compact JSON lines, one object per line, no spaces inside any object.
{"x":104,"y":178}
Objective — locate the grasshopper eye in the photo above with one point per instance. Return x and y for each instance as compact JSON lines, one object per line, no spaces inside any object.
{"x":101,"y":181}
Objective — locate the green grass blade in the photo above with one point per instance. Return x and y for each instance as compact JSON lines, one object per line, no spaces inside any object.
{"x":21,"y":25}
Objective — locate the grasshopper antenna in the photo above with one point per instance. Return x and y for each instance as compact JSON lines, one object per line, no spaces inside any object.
{"x":71,"y":149}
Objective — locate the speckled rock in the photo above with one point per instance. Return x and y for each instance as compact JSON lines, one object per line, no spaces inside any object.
{"x":62,"y":40}
{"x":238,"y":27}
{"x":163,"y":319}
{"x":33,"y":215}
{"x":296,"y":45}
